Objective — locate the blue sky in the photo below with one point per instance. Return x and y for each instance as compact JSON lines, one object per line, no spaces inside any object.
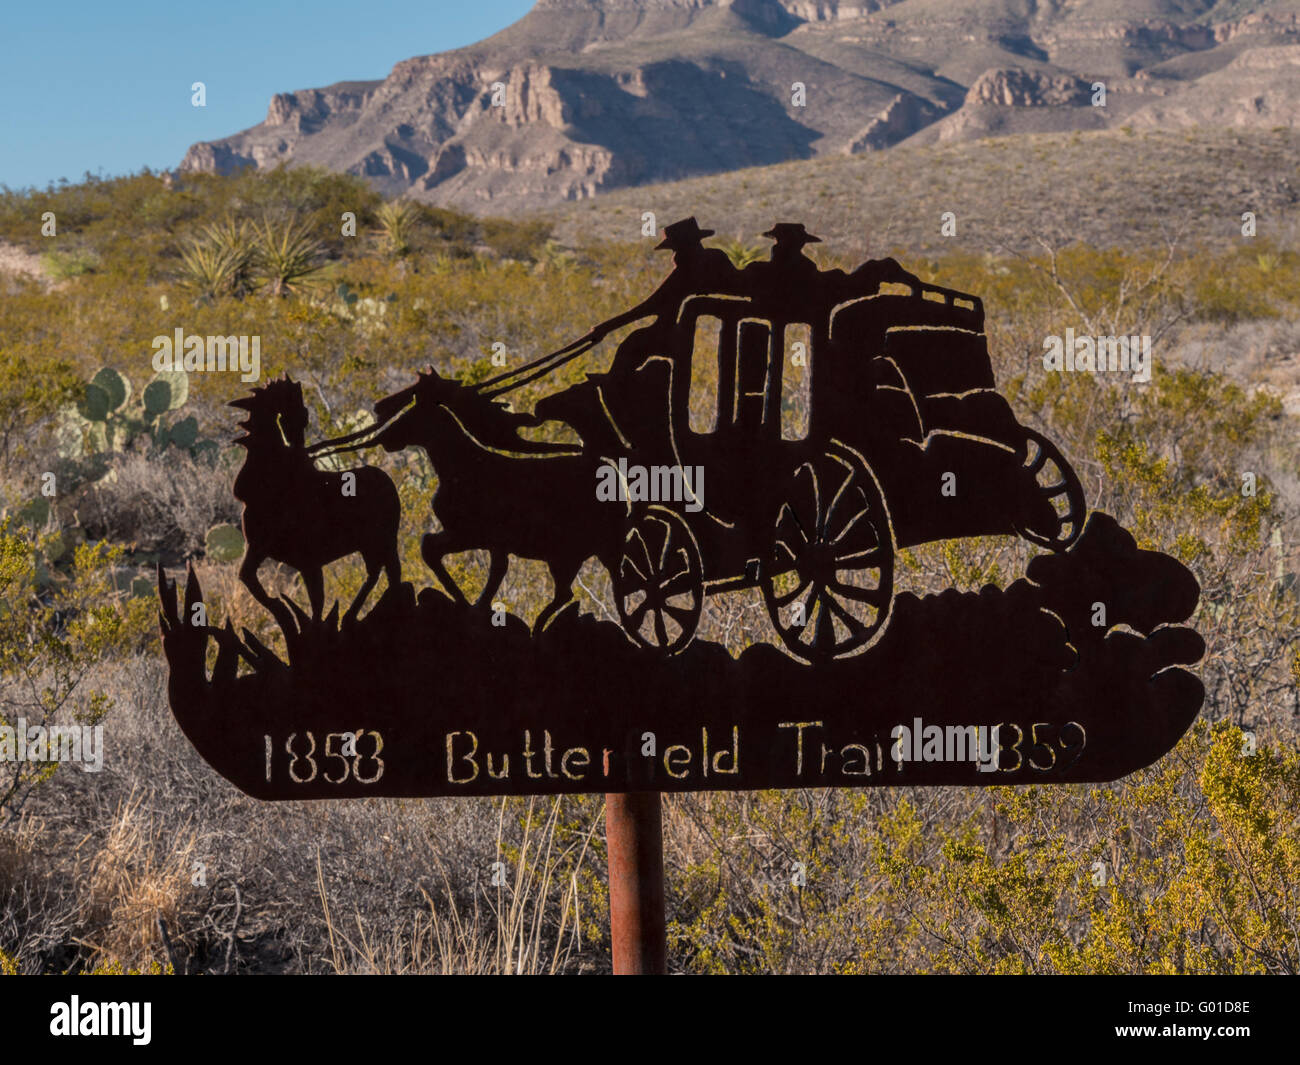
{"x":104,"y":87}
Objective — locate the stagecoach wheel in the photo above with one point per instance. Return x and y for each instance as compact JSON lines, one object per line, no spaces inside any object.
{"x":1059,"y":508}
{"x":829,"y":577}
{"x":659,"y":582}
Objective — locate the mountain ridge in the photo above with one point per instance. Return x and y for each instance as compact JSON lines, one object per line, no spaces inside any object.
{"x":583,"y":96}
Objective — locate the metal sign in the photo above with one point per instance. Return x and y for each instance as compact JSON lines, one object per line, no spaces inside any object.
{"x":1072,"y":672}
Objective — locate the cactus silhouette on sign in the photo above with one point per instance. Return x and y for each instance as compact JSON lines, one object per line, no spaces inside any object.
{"x":906,"y":441}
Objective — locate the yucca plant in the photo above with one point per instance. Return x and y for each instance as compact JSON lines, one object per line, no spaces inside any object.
{"x":219,"y":262}
{"x":397,"y":220}
{"x":740,"y":253}
{"x":207,"y":270}
{"x":234,"y":237}
{"x":287,"y":254}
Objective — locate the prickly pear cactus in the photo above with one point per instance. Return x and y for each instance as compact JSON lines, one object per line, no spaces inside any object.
{"x":106,"y":418}
{"x":168,"y":390}
{"x":224,"y":543}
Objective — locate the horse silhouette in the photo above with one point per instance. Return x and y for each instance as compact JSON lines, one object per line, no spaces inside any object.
{"x":305,"y":517}
{"x":498,"y":492}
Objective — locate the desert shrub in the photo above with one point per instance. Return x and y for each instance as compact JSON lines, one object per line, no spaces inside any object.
{"x":61,"y":265}
{"x":52,"y":627}
{"x":516,"y":240}
{"x":742,"y":254}
{"x":29,"y":396}
{"x":169,"y":209}
{"x":1223,"y":299}
{"x":140,"y":899}
{"x":1186,"y":867}
{"x":163,"y":504}
{"x":130,"y":224}
{"x":1255,"y":282}
{"x":319,"y":196}
{"x":208,"y":271}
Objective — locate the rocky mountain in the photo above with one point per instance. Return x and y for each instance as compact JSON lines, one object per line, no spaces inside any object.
{"x":583,"y":96}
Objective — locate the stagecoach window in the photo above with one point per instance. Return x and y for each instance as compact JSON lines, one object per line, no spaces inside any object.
{"x":796,"y":382}
{"x":703,"y":413}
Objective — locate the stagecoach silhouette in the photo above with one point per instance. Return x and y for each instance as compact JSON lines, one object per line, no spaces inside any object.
{"x":900,"y":438}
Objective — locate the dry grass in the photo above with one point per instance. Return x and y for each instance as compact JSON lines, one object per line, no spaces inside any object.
{"x":161,"y":502}
{"x":138,"y":884}
{"x":528,"y":925}
{"x":106,"y":900}
{"x":18,"y":857}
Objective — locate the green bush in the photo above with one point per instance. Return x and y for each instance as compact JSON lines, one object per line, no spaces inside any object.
{"x":61,"y":265}
{"x":53,"y":627}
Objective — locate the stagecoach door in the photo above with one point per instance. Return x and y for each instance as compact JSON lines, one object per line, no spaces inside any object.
{"x":754,"y":371}
{"x":748,"y":363}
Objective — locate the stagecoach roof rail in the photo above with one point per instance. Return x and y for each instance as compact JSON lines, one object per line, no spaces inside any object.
{"x":918,"y":290}
{"x":921,"y":291}
{"x":950,"y":295}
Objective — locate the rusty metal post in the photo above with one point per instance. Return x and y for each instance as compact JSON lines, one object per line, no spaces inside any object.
{"x":634,"y":830}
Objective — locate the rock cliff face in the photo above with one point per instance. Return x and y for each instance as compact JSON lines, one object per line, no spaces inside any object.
{"x":581,"y":96}
{"x":1025,"y":88}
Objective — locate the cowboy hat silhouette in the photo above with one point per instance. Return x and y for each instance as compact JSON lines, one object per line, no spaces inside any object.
{"x":791,"y":233}
{"x":683,"y":233}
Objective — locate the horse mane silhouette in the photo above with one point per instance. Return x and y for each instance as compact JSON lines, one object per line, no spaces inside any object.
{"x":497,"y":491}
{"x":305,"y":517}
